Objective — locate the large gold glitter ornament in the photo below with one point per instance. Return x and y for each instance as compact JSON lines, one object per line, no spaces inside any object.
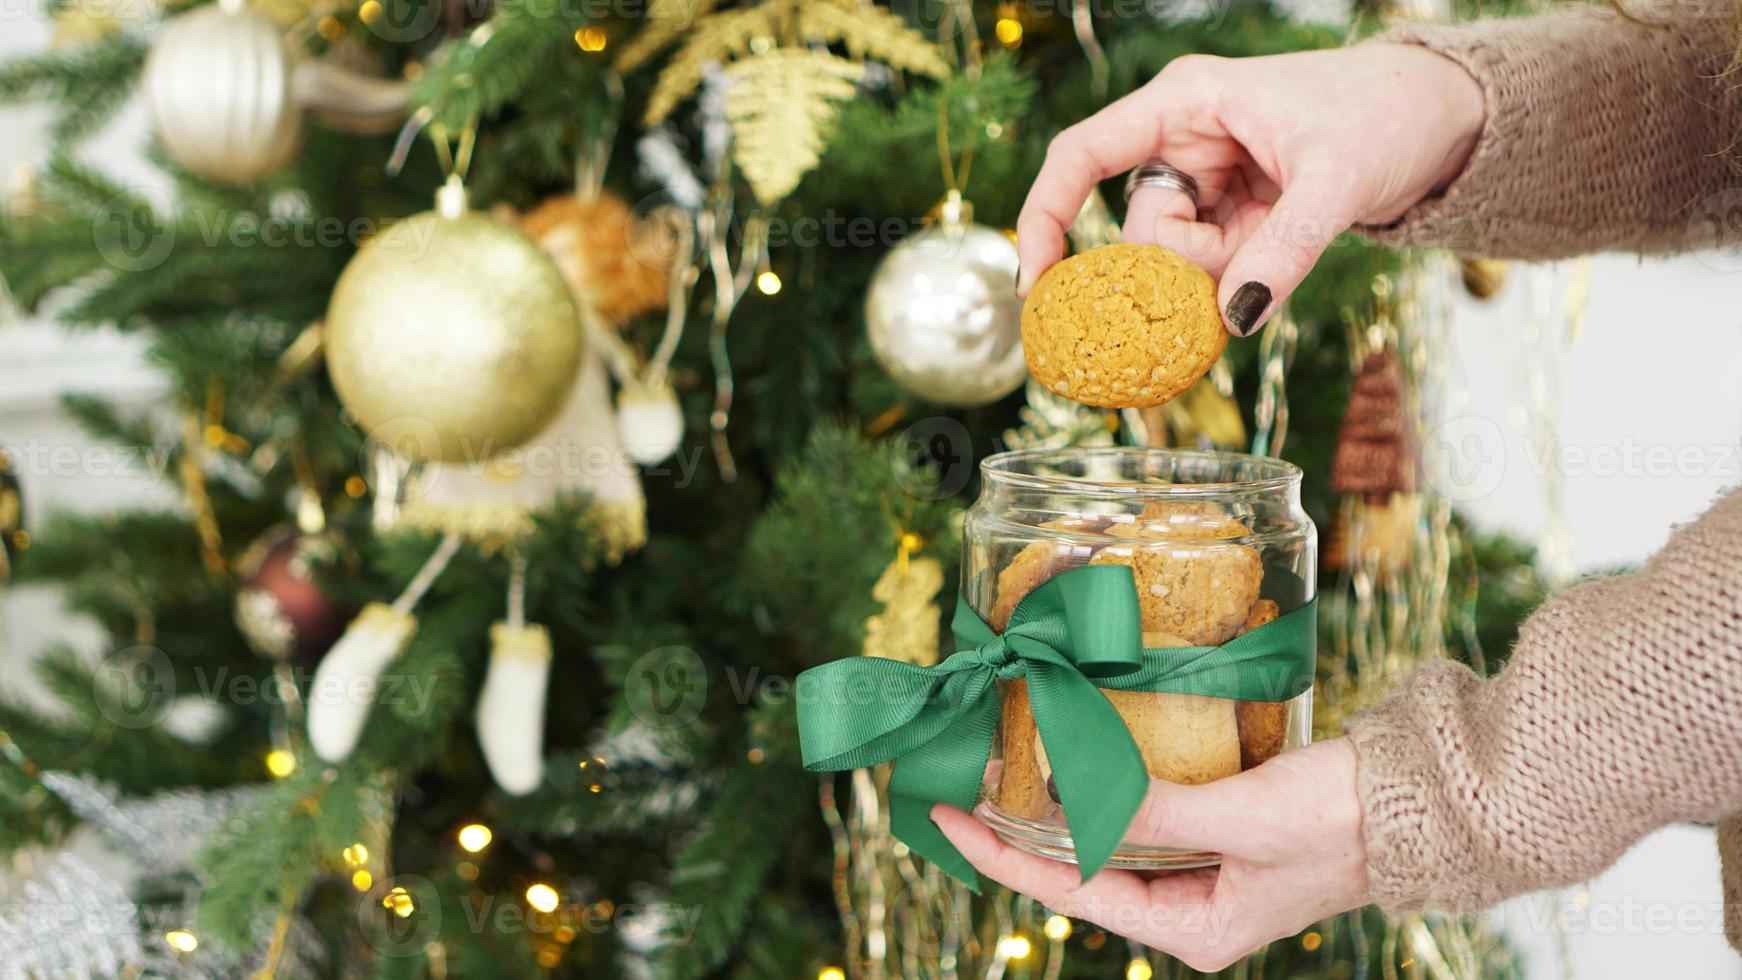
{"x":451,"y":336}
{"x":218,"y":87}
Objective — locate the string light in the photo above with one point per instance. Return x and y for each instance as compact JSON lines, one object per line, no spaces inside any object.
{"x":356,"y":855}
{"x":831,"y":973}
{"x":542,"y":897}
{"x":399,"y":902}
{"x":474,"y":837}
{"x":362,"y":880}
{"x":280,"y":763}
{"x":369,"y":12}
{"x":181,"y":940}
{"x":1058,"y":928}
{"x":1311,"y":941}
{"x":1015,"y":947}
{"x":768,"y":281}
{"x":1008,"y":29}
{"x":1139,"y":969}
{"x":590,"y":39}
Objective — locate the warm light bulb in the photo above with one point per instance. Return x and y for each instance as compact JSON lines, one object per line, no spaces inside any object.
{"x":280,"y":763}
{"x":768,"y":281}
{"x":362,"y":880}
{"x":1058,"y":928}
{"x":1139,"y":970}
{"x":542,"y":897}
{"x":369,"y":12}
{"x":474,"y":837}
{"x":356,"y":855}
{"x":1009,"y":31}
{"x":181,"y":940}
{"x":1015,"y":947}
{"x":831,"y":973}
{"x":399,"y":901}
{"x":1311,"y":941}
{"x":590,"y":39}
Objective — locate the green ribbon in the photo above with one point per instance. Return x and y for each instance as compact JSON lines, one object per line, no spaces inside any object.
{"x":1077,"y":632}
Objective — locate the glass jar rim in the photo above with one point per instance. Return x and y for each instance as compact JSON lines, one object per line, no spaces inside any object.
{"x":1017,"y":468}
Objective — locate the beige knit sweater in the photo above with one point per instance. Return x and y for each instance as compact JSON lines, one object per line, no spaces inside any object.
{"x":1621,"y":708}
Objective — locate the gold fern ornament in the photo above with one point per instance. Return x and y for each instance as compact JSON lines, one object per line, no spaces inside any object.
{"x":907,"y":628}
{"x":787,"y":85}
{"x":780,"y":106}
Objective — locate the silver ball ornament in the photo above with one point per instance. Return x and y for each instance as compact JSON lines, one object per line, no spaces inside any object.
{"x":943,"y":316}
{"x":218,"y":87}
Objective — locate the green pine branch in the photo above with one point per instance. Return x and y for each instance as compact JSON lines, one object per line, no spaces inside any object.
{"x":87,"y":83}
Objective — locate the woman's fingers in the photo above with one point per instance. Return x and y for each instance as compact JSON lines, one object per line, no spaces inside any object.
{"x":1175,"y":913}
{"x":1167,"y":217}
{"x":1109,"y":142}
{"x":1271,"y":260}
{"x":1056,"y":885}
{"x":1212,"y":817}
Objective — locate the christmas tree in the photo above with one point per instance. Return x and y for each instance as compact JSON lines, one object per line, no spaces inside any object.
{"x":499,"y":662}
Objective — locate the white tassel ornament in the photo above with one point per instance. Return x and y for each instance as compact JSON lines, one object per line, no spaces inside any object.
{"x":349,"y":677}
{"x":345,"y":686}
{"x":511,"y":707}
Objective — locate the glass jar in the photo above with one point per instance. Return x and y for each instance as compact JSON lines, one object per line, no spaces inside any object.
{"x":1218,"y":544}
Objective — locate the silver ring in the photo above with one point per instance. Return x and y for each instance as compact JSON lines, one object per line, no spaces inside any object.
{"x":1158,"y":174}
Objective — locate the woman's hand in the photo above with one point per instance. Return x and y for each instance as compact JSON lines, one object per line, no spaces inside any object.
{"x":1288,"y":152}
{"x":1289,"y":833}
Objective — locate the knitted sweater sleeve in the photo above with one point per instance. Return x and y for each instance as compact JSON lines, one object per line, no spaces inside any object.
{"x":1602,"y":134}
{"x":1620,"y":711}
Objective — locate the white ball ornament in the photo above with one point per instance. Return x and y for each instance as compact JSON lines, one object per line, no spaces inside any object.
{"x":649,"y":421}
{"x":942,"y":312}
{"x":218,"y":86}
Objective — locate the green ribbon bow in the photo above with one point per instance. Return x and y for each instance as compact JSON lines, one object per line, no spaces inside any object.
{"x":1075,"y":633}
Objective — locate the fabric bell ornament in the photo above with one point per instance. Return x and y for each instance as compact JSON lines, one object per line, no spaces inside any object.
{"x":348,"y":680}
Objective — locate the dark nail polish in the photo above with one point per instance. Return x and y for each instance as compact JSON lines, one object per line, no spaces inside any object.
{"x":934,"y":822}
{"x":1052,"y":790}
{"x":1247,"y":307}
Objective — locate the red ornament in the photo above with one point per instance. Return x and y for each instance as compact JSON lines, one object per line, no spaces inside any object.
{"x":280,"y":608}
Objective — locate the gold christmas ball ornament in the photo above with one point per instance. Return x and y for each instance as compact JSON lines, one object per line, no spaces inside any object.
{"x":451,"y":336}
{"x":1483,"y":277}
{"x":942,"y":312}
{"x":218,"y":87}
